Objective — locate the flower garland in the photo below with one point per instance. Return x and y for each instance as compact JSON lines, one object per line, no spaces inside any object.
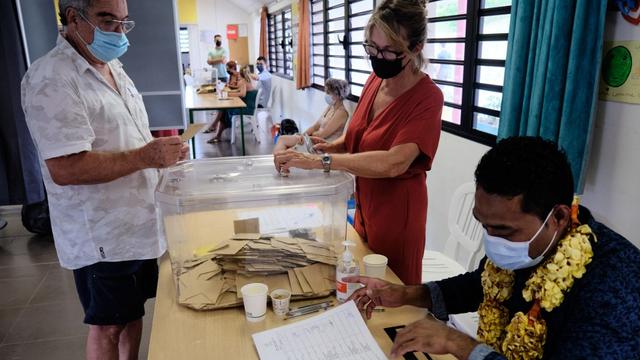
{"x":524,"y":337}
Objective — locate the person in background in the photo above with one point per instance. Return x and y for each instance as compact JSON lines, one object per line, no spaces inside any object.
{"x":217,"y":58}
{"x":555,"y":284}
{"x":239,"y":84}
{"x":100,"y":168}
{"x":247,"y":75}
{"x":330,"y":125}
{"x":391,"y":140}
{"x":264,"y":78}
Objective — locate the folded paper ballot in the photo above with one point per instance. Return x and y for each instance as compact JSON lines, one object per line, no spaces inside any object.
{"x":211,"y":278}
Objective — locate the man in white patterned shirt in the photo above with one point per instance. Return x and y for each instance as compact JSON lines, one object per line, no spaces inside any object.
{"x":99,"y":164}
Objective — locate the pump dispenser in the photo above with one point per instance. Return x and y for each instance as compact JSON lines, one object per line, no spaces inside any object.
{"x":347,"y":266}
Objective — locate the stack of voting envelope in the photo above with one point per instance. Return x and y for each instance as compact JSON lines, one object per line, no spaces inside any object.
{"x":211,"y":279}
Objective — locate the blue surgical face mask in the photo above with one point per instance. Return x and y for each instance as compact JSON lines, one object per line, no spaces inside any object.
{"x":329,"y":99}
{"x":260,"y":68}
{"x":106,"y":46}
{"x":511,"y":255}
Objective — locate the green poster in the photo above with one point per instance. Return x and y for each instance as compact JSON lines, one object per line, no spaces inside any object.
{"x":620,"y":73}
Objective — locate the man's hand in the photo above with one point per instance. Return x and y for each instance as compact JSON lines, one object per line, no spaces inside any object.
{"x":376,"y":292}
{"x":184,"y":152}
{"x":161,"y":152}
{"x":433,"y":336}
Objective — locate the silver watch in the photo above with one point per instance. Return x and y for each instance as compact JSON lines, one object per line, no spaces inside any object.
{"x":326,"y":162}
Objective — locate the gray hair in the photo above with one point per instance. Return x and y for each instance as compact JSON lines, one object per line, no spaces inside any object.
{"x":80,"y":5}
{"x":337,"y":87}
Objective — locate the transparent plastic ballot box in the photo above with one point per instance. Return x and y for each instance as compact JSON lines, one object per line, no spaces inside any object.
{"x":205,"y":202}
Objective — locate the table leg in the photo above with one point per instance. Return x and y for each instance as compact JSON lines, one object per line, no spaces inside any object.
{"x":242,"y":131}
{"x":193,"y":139}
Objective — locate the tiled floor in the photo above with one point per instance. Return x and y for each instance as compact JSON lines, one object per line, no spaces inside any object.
{"x":40,"y":314}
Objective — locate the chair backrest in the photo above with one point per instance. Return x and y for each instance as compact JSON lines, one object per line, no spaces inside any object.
{"x":465,"y":239}
{"x":251,"y":99}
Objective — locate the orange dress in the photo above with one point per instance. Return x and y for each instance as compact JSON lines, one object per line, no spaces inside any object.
{"x":391,"y":213}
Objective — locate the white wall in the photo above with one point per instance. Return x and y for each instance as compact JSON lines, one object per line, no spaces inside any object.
{"x":611,"y":188}
{"x":214,"y":15}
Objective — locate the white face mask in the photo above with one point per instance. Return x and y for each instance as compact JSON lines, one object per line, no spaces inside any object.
{"x":329,"y":99}
{"x":511,"y":255}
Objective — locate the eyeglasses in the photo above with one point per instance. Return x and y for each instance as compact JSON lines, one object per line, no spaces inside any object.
{"x":112,"y":25}
{"x":386,"y":54}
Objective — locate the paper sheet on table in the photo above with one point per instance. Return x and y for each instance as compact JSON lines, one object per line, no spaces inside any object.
{"x":278,"y":220}
{"x":191,"y":131}
{"x":337,"y":334}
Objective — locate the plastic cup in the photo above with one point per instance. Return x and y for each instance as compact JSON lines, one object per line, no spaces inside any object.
{"x":280,"y":301}
{"x":375,"y":265}
{"x":254,"y":297}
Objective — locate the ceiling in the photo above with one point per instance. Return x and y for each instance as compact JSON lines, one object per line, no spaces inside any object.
{"x":251,"y":5}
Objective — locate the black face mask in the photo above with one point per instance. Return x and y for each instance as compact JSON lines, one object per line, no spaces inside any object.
{"x":386,"y":69}
{"x":218,"y":43}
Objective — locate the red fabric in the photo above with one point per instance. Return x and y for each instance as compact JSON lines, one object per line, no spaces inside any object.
{"x":391,"y":213}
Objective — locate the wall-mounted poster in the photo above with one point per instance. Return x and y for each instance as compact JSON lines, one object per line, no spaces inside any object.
{"x":620,"y":74}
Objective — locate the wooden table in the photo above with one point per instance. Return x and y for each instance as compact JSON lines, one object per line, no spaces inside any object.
{"x":202,"y":102}
{"x":181,"y":333}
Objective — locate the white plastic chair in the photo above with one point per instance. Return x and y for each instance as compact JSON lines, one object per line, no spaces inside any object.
{"x":253,"y":119}
{"x":462,"y":251}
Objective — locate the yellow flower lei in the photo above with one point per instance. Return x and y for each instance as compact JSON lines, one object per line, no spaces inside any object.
{"x":524,"y":337}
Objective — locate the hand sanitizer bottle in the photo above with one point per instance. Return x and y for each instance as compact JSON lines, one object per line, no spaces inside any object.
{"x":347,"y":266}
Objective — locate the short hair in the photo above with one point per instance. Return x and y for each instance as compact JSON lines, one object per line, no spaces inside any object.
{"x":337,"y":87}
{"x":404,"y":23}
{"x":80,"y":5}
{"x":217,"y":35}
{"x":262,"y":58}
{"x":527,"y":166}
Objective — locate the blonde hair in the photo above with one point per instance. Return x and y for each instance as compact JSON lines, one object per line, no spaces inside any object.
{"x":404,"y":23}
{"x":245,"y":72}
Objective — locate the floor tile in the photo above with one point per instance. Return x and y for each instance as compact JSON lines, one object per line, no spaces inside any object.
{"x":27,"y":250}
{"x":58,"y":286}
{"x":23,"y":271}
{"x":48,"y":321}
{"x":58,"y":349}
{"x":8,"y":318}
{"x":17,"y":292}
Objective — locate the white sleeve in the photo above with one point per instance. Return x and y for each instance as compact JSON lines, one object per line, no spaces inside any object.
{"x":56,"y":117}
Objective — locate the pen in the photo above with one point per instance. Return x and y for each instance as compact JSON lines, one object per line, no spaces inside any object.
{"x":303,"y":313}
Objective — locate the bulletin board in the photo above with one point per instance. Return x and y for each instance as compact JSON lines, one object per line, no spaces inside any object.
{"x":620,"y":73}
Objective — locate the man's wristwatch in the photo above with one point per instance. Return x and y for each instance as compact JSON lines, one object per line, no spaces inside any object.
{"x":326,"y":162}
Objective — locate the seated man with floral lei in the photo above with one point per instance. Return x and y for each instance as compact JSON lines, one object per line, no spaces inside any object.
{"x":555,"y":284}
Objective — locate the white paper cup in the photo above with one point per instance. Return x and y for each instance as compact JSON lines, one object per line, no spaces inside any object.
{"x":375,"y":265}
{"x":280,"y":301}
{"x":254,"y":297}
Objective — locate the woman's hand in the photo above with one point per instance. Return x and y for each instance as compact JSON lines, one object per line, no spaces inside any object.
{"x":376,"y":292}
{"x":285,"y":160}
{"x":433,"y":336}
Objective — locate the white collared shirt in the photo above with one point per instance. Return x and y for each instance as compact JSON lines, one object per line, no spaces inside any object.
{"x":70,"y":108}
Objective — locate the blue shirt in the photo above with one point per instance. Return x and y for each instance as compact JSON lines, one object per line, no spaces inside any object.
{"x":599,"y":317}
{"x":265,"y":85}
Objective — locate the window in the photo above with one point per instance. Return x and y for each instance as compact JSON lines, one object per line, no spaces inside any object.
{"x":467,"y":48}
{"x":281,"y":43}
{"x":337,"y":30}
{"x":184,"y":40}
